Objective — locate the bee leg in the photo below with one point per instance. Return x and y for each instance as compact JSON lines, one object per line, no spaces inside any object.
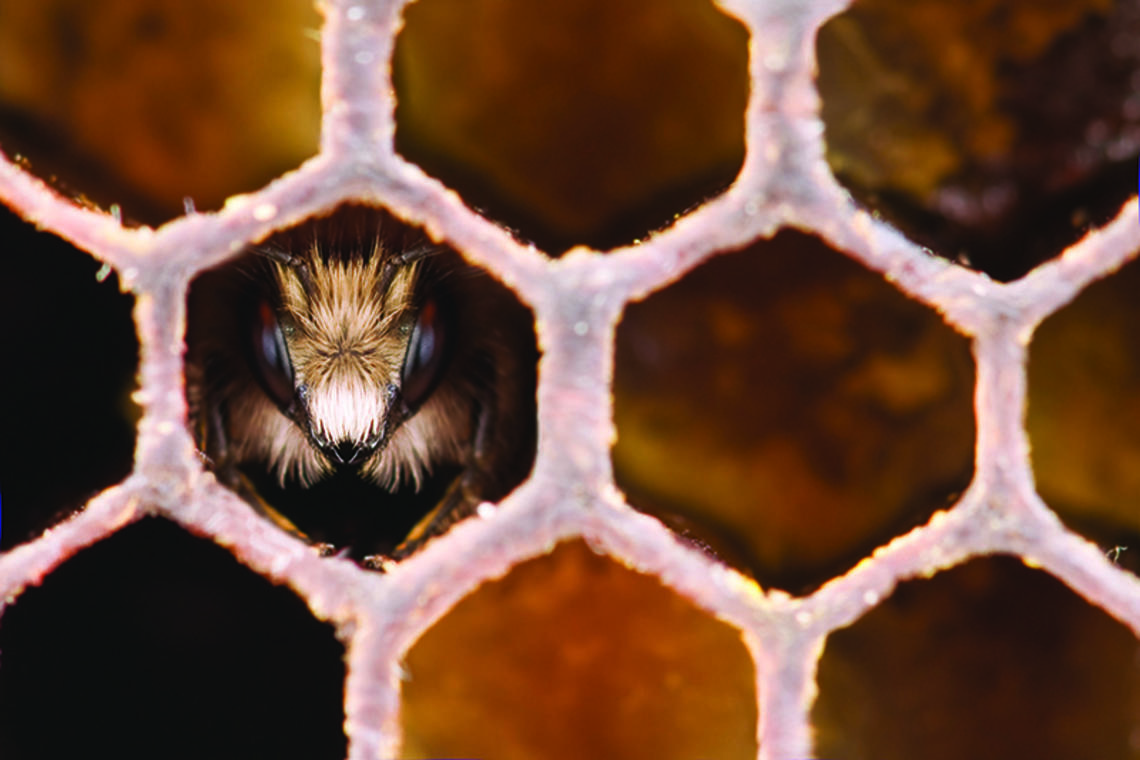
{"x":213,"y":442}
{"x":448,"y":511}
{"x":459,"y":502}
{"x":462,"y":498}
{"x":243,"y":488}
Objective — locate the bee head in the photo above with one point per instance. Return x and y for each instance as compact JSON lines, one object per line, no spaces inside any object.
{"x":349,"y":348}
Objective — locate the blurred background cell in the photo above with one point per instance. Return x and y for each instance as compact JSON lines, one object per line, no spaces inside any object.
{"x":1083,"y":414}
{"x":995,"y":132}
{"x":989,"y":660}
{"x":572,"y":655}
{"x":592,"y":122}
{"x":790,"y":410}
{"x":144,"y":103}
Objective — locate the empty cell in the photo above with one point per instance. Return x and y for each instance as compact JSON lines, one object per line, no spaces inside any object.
{"x":788,"y":410}
{"x":572,"y":655}
{"x":70,"y":361}
{"x":995,"y":133}
{"x":989,"y":660}
{"x":591,"y":122}
{"x":153,"y":643}
{"x":145,"y":103}
{"x":1083,"y":414}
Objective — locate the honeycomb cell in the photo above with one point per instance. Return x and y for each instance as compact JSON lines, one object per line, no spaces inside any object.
{"x":789,"y":410}
{"x":153,"y":643}
{"x":570,"y":656}
{"x":1083,"y":414}
{"x":591,"y":122}
{"x":994,"y":132}
{"x":990,"y":660}
{"x":70,"y":357}
{"x":144,"y":103}
{"x":426,"y":355}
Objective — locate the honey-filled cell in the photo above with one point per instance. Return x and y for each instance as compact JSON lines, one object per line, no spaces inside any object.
{"x":788,"y":410}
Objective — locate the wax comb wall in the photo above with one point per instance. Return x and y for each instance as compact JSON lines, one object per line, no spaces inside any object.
{"x":861,"y":330}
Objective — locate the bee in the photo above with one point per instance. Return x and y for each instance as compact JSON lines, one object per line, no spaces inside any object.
{"x":360,"y":386}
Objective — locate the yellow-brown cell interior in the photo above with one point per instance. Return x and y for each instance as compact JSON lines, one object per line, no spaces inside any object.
{"x":572,"y":655}
{"x":990,"y":660}
{"x":791,"y":410}
{"x":1083,"y":414}
{"x":994,"y":131}
{"x":146,"y":102}
{"x":590,"y":122}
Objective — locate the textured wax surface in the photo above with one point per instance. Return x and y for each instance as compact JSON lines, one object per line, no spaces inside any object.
{"x":884,"y":363}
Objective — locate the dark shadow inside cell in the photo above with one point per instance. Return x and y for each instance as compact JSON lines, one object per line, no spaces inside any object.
{"x":154,"y":643}
{"x":990,"y":660}
{"x":592,"y":123}
{"x":571,"y":655}
{"x":788,"y":410}
{"x":145,"y":103}
{"x":994,"y":134}
{"x":368,"y":400}
{"x":70,"y":360}
{"x":1083,"y":413}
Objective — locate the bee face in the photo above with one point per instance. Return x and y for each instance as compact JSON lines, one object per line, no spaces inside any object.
{"x":350,"y":351}
{"x":346,"y":364}
{"x":350,"y":356}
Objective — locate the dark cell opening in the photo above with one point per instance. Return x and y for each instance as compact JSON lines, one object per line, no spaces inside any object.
{"x":153,"y":643}
{"x":70,"y":360}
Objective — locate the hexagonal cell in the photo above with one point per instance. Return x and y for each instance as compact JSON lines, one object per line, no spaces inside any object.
{"x":990,"y":660}
{"x":1083,"y":414}
{"x":789,"y":410}
{"x":586,"y":123}
{"x":571,"y":655}
{"x":359,"y":385}
{"x":995,"y":133}
{"x":144,"y":103}
{"x":153,"y":643}
{"x":70,"y":357}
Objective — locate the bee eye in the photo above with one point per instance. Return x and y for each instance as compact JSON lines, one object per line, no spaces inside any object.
{"x":271,"y":357}
{"x":424,"y":359}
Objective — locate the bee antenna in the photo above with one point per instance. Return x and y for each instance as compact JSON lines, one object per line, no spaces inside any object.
{"x":291,"y":260}
{"x":411,"y":255}
{"x":403,"y":259}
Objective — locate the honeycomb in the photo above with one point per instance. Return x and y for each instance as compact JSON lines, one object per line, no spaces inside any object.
{"x":838,"y":424}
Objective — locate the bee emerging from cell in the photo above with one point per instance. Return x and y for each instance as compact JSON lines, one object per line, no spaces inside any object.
{"x":360,"y":386}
